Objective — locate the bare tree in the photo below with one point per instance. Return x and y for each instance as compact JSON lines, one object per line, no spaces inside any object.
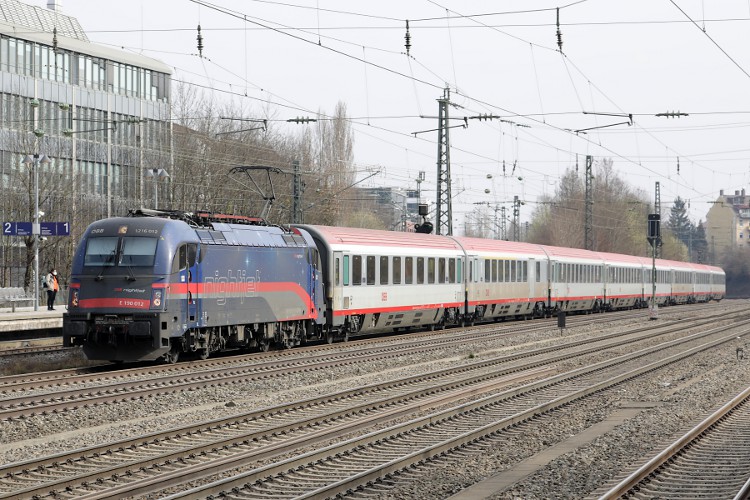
{"x":619,"y":215}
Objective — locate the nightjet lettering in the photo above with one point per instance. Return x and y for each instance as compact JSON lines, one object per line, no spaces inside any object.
{"x":236,"y":284}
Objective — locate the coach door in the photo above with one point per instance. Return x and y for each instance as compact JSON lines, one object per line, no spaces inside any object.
{"x":554,"y":281}
{"x":531,"y":278}
{"x":472,"y":278}
{"x":339,"y":278}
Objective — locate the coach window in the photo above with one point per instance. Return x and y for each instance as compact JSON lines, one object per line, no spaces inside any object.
{"x":487,"y":271}
{"x":441,"y":270}
{"x":452,"y":271}
{"x":494,"y":270}
{"x":430,"y":270}
{"x":420,"y":270}
{"x":409,"y":270}
{"x":356,"y":270}
{"x":525,"y":268}
{"x":512,"y":275}
{"x":383,"y":270}
{"x":397,"y":270}
{"x":538,"y":272}
{"x":337,"y":272}
{"x":346,"y":270}
{"x":370,"y":269}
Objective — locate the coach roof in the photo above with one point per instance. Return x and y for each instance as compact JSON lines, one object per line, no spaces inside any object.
{"x":378,"y":238}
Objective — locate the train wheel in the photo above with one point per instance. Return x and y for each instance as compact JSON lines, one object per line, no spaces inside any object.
{"x":263,"y":345}
{"x":329,"y":338}
{"x":203,"y":353}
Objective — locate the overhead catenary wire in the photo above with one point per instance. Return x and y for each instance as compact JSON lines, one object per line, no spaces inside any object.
{"x":543,"y":114}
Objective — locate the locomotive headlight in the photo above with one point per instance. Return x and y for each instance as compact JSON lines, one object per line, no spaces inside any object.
{"x":157,"y":299}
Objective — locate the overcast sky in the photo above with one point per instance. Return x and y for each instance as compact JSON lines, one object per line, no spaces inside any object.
{"x":639,"y":57}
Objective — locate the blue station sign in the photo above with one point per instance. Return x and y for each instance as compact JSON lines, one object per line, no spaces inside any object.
{"x":27,"y":228}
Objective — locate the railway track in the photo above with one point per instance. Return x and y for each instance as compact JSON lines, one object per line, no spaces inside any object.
{"x":362,"y":463}
{"x":53,"y":346}
{"x":208,"y":447}
{"x":32,"y":346}
{"x":712,"y":460}
{"x":65,"y":390}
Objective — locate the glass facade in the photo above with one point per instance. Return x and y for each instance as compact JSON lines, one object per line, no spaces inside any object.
{"x":101,"y":115}
{"x":41,"y":61}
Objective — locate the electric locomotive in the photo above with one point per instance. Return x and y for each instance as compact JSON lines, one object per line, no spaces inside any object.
{"x":157,"y":284}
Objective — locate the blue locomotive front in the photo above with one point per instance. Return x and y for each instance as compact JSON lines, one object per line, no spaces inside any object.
{"x":158,"y":284}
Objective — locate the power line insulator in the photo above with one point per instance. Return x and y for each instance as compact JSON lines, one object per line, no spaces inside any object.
{"x":407,"y":38}
{"x":200,"y":42}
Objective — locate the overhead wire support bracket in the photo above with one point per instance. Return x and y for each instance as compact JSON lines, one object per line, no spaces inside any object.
{"x":629,"y":116}
{"x":463,"y":125}
{"x":263,"y":122}
{"x":629,"y":123}
{"x":602,"y":126}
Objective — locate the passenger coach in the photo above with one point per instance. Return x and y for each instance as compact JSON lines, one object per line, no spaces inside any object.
{"x":378,"y":281}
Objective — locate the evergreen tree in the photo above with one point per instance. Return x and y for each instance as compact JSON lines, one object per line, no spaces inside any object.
{"x":680,"y":223}
{"x":700,"y":244}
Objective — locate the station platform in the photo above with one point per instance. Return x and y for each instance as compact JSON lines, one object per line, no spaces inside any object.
{"x":25,"y":319}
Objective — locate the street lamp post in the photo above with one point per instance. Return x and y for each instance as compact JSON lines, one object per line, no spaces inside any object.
{"x":156,"y":173}
{"x":35,"y":231}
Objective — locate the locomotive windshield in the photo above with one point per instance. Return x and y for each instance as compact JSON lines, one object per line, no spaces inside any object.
{"x":138,"y":252}
{"x":100,"y":252}
{"x":109,"y":251}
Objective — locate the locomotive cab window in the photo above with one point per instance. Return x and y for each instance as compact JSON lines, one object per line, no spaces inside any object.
{"x":180,"y":260}
{"x":140,"y":251}
{"x":100,"y":252}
